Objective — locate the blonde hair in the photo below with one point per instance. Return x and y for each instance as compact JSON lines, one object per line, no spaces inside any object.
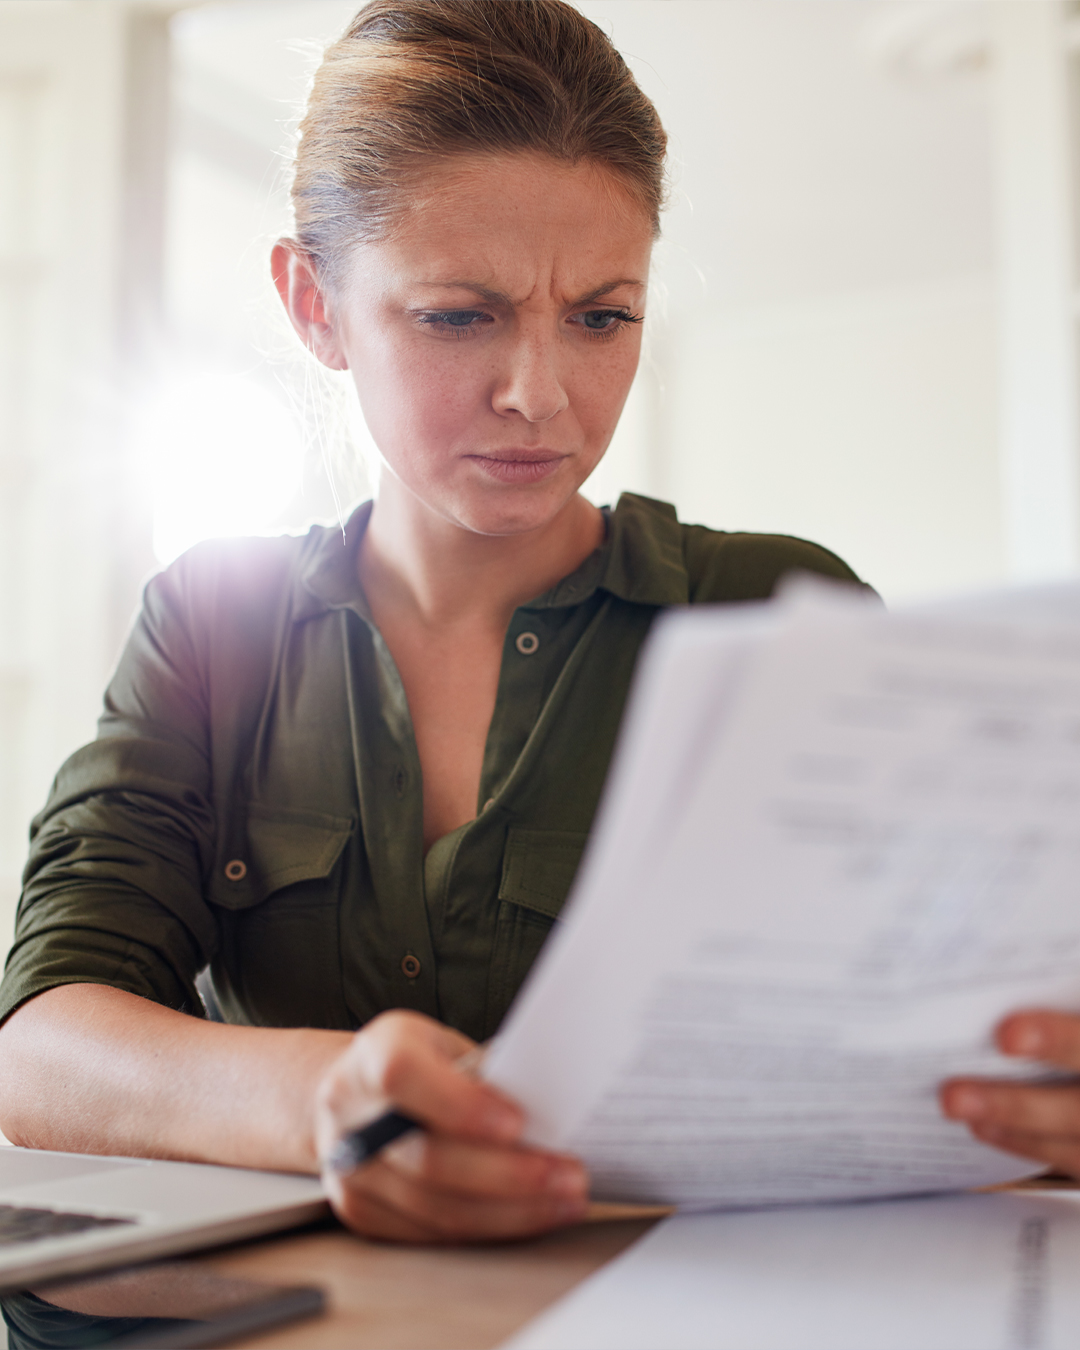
{"x":413,"y":80}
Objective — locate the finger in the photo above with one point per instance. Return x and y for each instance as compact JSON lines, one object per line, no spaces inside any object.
{"x":460,"y":1167}
{"x":443,"y":1040}
{"x":410,"y":1061}
{"x":1051,"y":1109}
{"x":1061,"y":1152}
{"x":1053,"y":1037}
{"x":369,"y":1216}
{"x":452,"y":1217}
{"x":373,"y":1218}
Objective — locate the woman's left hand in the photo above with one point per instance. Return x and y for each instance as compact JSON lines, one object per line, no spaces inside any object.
{"x":1039,"y":1121}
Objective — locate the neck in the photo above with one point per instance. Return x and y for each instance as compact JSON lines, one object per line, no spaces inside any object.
{"x":445,"y":574}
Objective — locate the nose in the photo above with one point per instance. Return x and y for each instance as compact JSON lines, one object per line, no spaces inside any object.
{"x":530,"y":383}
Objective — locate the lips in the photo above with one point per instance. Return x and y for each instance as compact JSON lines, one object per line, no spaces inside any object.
{"x":518,"y":466}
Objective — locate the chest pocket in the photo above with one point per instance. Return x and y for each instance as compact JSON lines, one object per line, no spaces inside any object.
{"x":539,"y":867}
{"x":282,"y":848}
{"x":278,"y":960}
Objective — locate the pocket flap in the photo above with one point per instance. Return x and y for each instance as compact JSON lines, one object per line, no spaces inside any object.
{"x":283,"y":847}
{"x":539,"y":868}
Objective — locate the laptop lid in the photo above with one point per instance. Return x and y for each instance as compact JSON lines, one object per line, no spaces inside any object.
{"x":69,"y":1213}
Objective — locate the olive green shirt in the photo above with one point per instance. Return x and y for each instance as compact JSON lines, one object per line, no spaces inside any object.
{"x":253,"y":800}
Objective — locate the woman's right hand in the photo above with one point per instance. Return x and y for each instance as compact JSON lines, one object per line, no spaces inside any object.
{"x":466,"y":1176}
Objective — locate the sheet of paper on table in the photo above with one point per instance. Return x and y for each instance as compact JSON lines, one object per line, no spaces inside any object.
{"x":973,"y":1272}
{"x":837,"y":846}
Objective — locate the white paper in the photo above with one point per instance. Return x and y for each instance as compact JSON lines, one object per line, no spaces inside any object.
{"x":980,"y":1272}
{"x":839,"y":846}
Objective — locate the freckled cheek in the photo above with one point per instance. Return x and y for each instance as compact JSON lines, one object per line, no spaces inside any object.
{"x":419,"y":410}
{"x":448,"y":404}
{"x":598,"y":395}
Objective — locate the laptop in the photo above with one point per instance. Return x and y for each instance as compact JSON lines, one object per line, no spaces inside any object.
{"x":71,"y":1213}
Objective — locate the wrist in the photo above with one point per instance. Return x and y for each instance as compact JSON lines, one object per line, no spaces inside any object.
{"x":314,"y":1052}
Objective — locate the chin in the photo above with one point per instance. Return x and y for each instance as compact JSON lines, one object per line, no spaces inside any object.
{"x":508,"y":513}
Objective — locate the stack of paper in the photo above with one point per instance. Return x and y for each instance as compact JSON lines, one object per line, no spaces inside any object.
{"x":979,"y":1272}
{"x":838,"y":845}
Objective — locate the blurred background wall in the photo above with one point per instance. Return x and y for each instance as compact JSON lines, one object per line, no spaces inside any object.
{"x":862,"y":329}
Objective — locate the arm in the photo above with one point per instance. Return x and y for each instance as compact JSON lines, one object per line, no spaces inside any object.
{"x":88,"y":1068}
{"x":91,"y":1069}
{"x":1039,"y":1121}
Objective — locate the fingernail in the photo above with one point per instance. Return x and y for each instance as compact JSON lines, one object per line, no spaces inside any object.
{"x":407,"y":1153}
{"x":1025,"y":1039}
{"x":501,"y":1122}
{"x":966,"y":1103}
{"x":567,"y":1181}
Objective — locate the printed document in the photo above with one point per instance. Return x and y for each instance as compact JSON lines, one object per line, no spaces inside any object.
{"x":972,"y":1272}
{"x":837,"y":846}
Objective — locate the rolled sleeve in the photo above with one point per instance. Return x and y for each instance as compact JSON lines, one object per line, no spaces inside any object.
{"x":113,"y":890}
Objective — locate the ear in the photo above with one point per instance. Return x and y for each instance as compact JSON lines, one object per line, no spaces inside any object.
{"x":306,"y":302}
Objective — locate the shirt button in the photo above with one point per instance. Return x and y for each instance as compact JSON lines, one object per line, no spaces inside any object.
{"x":410,"y":966}
{"x":527,"y":643}
{"x":236,"y":870}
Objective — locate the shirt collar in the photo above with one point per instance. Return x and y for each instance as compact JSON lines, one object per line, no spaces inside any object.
{"x":640,"y":561}
{"x":329,"y":573}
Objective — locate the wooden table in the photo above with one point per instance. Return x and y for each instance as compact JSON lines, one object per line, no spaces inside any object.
{"x":386,"y":1297}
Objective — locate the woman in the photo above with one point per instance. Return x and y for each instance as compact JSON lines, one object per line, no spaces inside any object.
{"x":355,"y":780}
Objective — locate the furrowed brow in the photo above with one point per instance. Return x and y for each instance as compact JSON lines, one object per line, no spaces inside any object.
{"x":484,"y":292}
{"x":607,"y":288}
{"x":501,"y":298}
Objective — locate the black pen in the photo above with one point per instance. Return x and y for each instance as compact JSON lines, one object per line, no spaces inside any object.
{"x":359,"y":1146}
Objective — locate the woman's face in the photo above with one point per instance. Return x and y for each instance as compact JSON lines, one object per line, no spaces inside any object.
{"x":493,"y":337}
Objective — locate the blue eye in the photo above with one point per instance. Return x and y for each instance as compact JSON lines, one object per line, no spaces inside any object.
{"x":602,"y":323}
{"x":459,"y":322}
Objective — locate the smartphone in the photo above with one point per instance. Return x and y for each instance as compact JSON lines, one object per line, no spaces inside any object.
{"x":169,"y":1303}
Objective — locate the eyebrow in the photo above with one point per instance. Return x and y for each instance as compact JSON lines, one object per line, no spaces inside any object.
{"x":501,"y":298}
